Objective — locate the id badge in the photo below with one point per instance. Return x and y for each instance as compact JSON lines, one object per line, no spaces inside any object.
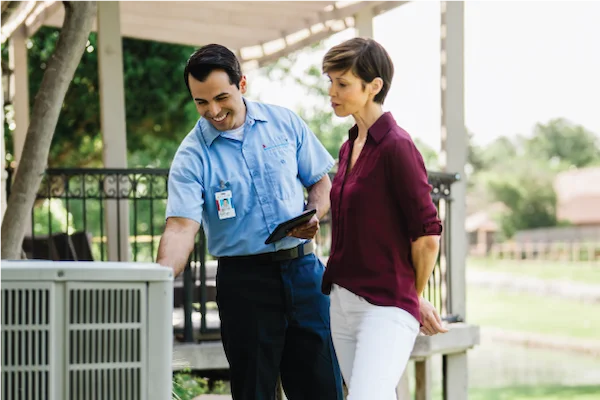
{"x":225,"y":204}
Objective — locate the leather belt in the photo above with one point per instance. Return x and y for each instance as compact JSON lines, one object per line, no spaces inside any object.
{"x":277,"y":256}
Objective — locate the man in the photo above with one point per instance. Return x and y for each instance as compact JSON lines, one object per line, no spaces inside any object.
{"x":259,"y":158}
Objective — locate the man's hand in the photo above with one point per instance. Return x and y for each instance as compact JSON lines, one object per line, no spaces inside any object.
{"x":307,"y":230}
{"x":432,"y":323}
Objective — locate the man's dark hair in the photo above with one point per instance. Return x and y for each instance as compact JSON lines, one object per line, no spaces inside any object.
{"x":209,"y":58}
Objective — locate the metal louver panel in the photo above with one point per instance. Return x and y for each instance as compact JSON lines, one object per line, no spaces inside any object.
{"x":26,"y":339}
{"x":106,"y":340}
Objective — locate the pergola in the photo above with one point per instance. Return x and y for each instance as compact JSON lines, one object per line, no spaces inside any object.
{"x":259,"y":33}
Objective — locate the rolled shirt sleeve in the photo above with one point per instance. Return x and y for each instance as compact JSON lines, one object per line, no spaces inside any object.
{"x":412,"y":190}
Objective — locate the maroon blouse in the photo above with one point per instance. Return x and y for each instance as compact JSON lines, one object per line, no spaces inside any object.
{"x":378,"y":209}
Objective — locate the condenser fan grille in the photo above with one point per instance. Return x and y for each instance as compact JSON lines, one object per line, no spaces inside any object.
{"x":25,"y":342}
{"x":105,"y":341}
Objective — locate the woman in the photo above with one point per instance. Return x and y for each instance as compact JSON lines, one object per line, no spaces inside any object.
{"x":386,"y":230}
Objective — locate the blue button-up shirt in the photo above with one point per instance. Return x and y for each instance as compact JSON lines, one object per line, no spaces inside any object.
{"x":265,"y":172}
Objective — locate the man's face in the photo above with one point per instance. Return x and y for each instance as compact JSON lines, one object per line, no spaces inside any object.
{"x":219,"y":101}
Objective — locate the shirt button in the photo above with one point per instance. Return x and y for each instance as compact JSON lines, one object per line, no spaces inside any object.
{"x":263,"y":200}
{"x":254,"y":173}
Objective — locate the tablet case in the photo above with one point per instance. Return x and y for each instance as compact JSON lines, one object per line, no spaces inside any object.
{"x":283,"y":228}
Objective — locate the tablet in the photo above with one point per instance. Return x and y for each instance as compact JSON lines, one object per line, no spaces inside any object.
{"x":283,"y":228}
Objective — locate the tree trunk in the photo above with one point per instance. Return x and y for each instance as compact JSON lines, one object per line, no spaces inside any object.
{"x":3,"y":173}
{"x":79,"y":17}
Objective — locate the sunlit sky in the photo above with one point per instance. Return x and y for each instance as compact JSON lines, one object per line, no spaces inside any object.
{"x":525,"y":62}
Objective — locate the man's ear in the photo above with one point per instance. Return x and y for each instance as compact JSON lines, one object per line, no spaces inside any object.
{"x":243,"y":84}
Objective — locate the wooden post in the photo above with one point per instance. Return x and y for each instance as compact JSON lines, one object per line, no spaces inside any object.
{"x":454,"y":157}
{"x":112,"y":120}
{"x":423,"y":379}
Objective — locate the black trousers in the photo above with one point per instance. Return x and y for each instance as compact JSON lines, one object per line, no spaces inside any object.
{"x":275,"y":322}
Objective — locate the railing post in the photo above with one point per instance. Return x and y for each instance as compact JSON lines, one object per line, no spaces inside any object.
{"x":188,"y":293}
{"x":423,"y":388}
{"x":203,"y":290}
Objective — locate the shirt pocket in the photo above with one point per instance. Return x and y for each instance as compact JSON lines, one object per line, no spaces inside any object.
{"x":282,"y":168}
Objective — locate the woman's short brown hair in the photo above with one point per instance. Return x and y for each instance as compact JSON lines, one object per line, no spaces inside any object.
{"x":366,"y":58}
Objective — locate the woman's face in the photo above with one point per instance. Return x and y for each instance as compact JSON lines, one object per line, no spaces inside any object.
{"x":348,"y":93}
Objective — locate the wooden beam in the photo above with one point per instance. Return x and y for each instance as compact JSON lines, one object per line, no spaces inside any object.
{"x":387,"y":6}
{"x":43,"y":11}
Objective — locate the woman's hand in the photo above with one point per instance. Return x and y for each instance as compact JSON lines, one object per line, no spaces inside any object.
{"x":432,"y":323}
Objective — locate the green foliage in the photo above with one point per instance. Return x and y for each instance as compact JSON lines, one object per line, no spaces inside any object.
{"x":187,"y":386}
{"x":497,"y":154}
{"x":331,"y":134}
{"x":430,"y":156}
{"x":158,"y":111}
{"x":526,"y":189}
{"x":561,"y":141}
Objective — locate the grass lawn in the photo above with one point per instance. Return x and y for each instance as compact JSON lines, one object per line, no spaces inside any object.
{"x":531,"y":313}
{"x":536,"y":393}
{"x":578,"y":272}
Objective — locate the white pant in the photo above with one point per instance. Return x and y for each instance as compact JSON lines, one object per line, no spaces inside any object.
{"x":372,"y":343}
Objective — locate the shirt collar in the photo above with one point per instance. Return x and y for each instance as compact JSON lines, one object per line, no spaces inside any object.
{"x":378,"y":130}
{"x":253,"y":113}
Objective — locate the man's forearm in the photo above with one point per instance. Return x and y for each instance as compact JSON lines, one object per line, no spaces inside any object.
{"x":424,"y":253}
{"x":318,"y":196}
{"x":174,"y":250}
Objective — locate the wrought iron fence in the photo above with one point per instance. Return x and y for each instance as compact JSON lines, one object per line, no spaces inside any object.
{"x":70,"y":222}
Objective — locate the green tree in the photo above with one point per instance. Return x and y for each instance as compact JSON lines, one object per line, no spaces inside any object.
{"x":562,"y":141}
{"x":525,"y":187}
{"x":497,"y":154}
{"x":158,"y":110}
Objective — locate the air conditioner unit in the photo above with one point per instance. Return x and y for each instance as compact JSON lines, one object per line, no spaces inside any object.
{"x":86,"y":330}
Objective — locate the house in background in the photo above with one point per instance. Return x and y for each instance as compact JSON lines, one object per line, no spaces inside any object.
{"x":578,"y":196}
{"x":577,"y":199}
{"x":481,"y":230}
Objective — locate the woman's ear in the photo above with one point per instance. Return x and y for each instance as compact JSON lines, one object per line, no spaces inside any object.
{"x":376,"y":86}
